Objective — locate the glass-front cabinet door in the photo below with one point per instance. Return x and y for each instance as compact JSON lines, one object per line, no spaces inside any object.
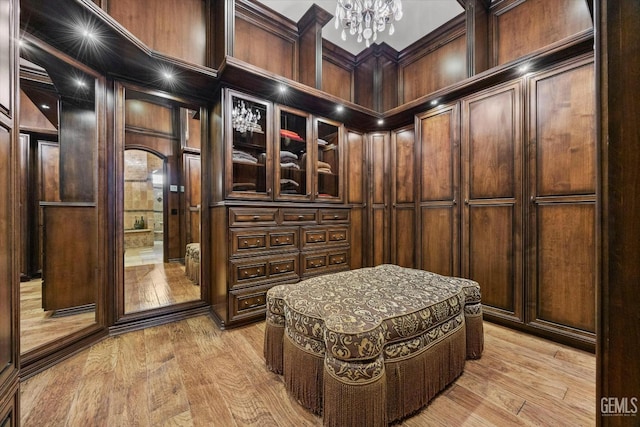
{"x":248,"y":124}
{"x":294,"y":158}
{"x":328,"y":164}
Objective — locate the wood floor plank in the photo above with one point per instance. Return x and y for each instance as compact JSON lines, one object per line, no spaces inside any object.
{"x":190,"y":373}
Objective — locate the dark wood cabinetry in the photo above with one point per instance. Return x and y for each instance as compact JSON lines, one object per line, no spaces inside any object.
{"x":269,"y":246}
{"x":491,"y":190}
{"x":438,"y":163}
{"x":377,"y":246}
{"x":562,"y":265}
{"x":282,"y":218}
{"x":517,"y":216}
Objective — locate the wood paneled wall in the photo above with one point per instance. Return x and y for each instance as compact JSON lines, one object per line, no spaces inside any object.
{"x":265,"y":39}
{"x":9,"y":214}
{"x":177,"y":29}
{"x":519,"y":27}
{"x":433,"y":67}
{"x":78,"y":152}
{"x":618,"y":61}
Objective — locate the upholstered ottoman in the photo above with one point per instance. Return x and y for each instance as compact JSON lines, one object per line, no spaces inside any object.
{"x":368,"y":347}
{"x":192,"y":262}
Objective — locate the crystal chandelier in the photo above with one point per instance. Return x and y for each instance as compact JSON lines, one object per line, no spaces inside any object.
{"x":243,"y":119}
{"x":367,"y":18}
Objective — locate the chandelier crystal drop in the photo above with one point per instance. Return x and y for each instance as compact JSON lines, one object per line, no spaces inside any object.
{"x":243,"y":119}
{"x":366,"y":18}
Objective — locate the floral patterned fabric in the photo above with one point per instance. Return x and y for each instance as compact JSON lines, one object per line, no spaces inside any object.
{"x":358,"y":319}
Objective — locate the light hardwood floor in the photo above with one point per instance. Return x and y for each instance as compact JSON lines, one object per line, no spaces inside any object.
{"x":189,"y":373}
{"x":37,"y":326}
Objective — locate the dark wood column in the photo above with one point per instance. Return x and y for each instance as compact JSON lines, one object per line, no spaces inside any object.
{"x":310,"y":45}
{"x":618,"y":61}
{"x":477,"y":22}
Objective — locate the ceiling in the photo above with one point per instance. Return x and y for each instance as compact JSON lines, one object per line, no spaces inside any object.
{"x":420,"y":18}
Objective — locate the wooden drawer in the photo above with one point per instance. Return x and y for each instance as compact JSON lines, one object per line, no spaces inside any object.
{"x":329,"y":216}
{"x":316,"y":237}
{"x":283,"y":239}
{"x":247,"y":303}
{"x":239,"y":217}
{"x":314,"y":263}
{"x":299,"y":216}
{"x":252,"y":271}
{"x":245,"y":241}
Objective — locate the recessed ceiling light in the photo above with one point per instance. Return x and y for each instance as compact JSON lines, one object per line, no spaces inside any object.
{"x":45,"y":107}
{"x":167,"y":75}
{"x":80,"y":83}
{"x":283,"y":88}
{"x":524,"y":68}
{"x":434,"y":102}
{"x":380,"y":121}
{"x":339,"y":108}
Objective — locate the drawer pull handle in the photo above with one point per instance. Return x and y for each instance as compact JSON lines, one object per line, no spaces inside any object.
{"x":256,"y":217}
{"x":248,"y":304}
{"x":300,"y":217}
{"x":277,"y":269}
{"x":335,"y":217}
{"x":339,"y":260}
{"x":277,"y":240}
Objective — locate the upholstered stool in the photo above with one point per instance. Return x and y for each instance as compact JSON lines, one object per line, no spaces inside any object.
{"x":371,"y":346}
{"x":192,"y":262}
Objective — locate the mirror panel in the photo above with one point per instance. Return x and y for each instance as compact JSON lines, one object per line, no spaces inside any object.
{"x":161,"y":202}
{"x":58,"y":152}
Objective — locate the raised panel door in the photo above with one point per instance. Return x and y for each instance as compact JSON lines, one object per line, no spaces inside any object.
{"x":438,"y":154}
{"x":403,"y":179}
{"x":563,"y":198}
{"x":192,"y":177}
{"x":378,"y":205}
{"x":491,"y":153}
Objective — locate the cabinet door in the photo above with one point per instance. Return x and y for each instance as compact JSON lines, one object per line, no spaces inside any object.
{"x":439,"y":164}
{"x":378,"y":205}
{"x":562,"y":185}
{"x":328,"y":167}
{"x":403,"y":227}
{"x":248,"y":125}
{"x":192,"y":180}
{"x":355,"y":149}
{"x":294,"y":155}
{"x":492,"y":211}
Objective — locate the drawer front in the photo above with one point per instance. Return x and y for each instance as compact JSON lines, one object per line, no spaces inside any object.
{"x":239,"y":217}
{"x":299,"y":216}
{"x":314,"y":262}
{"x":282,"y":267}
{"x":314,"y":237}
{"x":248,"y":241}
{"x":247,"y":303}
{"x":338,"y":258}
{"x":328,"y":216}
{"x":250,"y":273}
{"x":283,"y":239}
{"x":318,"y":237}
{"x":338,"y":235}
{"x":254,"y":271}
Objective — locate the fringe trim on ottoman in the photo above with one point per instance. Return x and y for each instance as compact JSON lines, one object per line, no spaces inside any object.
{"x":413,"y":382}
{"x":303,"y":375}
{"x":354,"y":405}
{"x":273,"y":335}
{"x":475,"y":336}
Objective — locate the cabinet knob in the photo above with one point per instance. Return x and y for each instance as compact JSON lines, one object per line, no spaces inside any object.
{"x":335,"y":217}
{"x":277,"y":269}
{"x":455,"y":202}
{"x":256,"y":217}
{"x":269,"y":191}
{"x":300,"y":217}
{"x":466,"y":202}
{"x":277,"y":240}
{"x":533,"y":199}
